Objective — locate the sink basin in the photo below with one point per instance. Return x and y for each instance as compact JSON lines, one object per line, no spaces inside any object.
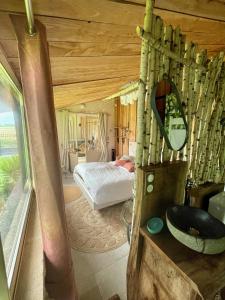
{"x":196,"y":229}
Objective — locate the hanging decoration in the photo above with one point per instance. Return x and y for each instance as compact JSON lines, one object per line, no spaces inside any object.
{"x":129,"y":98}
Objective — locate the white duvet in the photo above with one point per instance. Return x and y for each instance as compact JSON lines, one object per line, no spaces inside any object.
{"x":106,"y":182}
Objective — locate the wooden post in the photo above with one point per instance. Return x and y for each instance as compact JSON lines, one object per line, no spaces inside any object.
{"x":39,"y":105}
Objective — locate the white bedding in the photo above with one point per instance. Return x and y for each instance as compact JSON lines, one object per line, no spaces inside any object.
{"x":105,"y":182}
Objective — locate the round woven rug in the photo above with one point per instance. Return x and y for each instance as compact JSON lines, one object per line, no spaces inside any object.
{"x":71,"y":193}
{"x":95,"y":230}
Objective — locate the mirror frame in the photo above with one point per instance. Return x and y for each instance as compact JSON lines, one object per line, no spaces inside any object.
{"x":159,"y":121}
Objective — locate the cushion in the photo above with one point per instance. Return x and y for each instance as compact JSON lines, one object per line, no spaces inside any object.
{"x":120,"y":162}
{"x":129,"y":165}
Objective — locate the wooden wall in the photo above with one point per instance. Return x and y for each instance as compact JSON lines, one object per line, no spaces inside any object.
{"x":125,"y":130}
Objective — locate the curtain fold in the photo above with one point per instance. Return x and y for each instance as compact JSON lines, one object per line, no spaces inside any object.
{"x":65,"y":141}
{"x":96,"y":128}
{"x":103,"y":136}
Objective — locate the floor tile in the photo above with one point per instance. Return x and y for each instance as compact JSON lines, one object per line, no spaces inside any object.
{"x":112,"y":279}
{"x":92,"y":294}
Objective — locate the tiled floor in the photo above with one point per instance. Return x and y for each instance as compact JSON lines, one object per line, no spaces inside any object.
{"x":100,"y":275}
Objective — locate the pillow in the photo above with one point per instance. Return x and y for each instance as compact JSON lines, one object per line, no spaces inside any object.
{"x":127,"y":157}
{"x":129,"y":165}
{"x":120,"y":162}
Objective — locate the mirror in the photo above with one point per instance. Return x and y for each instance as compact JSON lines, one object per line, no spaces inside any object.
{"x":169,"y":113}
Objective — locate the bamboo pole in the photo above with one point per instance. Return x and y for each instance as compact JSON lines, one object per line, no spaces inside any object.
{"x":180,"y":74}
{"x":132,"y":267}
{"x":154,"y":43}
{"x":205,"y":120}
{"x":142,"y":84}
{"x":190,"y":104}
{"x":199,"y":115}
{"x":174,"y":71}
{"x":185,"y":90}
{"x":148,"y":112}
{"x":155,"y":127}
{"x":166,"y":152}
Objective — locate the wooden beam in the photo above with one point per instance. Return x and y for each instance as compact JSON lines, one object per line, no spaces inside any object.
{"x":72,"y":94}
{"x":44,"y":148}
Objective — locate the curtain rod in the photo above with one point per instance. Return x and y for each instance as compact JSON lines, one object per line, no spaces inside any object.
{"x":30,"y":17}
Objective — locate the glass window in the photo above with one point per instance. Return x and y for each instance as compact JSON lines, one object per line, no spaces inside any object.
{"x":15,"y":184}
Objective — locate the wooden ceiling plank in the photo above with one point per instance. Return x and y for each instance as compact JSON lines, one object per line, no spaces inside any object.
{"x":117,"y":12}
{"x":62,"y":49}
{"x":84,"y":92}
{"x":67,"y":70}
{"x":59,"y":29}
{"x":212,"y":9}
{"x":95,"y":10}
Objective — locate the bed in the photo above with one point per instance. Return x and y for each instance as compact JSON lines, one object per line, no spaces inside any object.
{"x":103,"y":183}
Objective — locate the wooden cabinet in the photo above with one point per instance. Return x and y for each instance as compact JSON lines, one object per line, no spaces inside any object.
{"x":170,"y":270}
{"x":160,"y":267}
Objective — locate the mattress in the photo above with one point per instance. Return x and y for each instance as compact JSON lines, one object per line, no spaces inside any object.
{"x":106,"y":182}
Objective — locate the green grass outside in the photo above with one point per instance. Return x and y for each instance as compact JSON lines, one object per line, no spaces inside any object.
{"x":8,"y":137}
{"x":9,"y":174}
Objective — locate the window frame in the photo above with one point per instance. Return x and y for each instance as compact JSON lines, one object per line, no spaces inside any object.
{"x":12,"y":270}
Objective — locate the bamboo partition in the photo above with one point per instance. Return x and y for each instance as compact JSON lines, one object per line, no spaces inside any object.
{"x":201,"y":85}
{"x":200,"y":82}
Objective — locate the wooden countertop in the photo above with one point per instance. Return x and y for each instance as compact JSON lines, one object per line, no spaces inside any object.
{"x":206,"y":271}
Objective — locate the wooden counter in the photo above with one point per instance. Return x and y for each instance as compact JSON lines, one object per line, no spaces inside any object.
{"x":181,"y":272}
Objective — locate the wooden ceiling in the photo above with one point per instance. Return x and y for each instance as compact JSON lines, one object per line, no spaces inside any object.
{"x":94,"y":49}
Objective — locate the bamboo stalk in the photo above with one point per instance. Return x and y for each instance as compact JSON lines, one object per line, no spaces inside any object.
{"x":142,"y":84}
{"x":180,"y":73}
{"x":200,"y":59}
{"x":185,"y":89}
{"x":148,"y":111}
{"x":199,"y":115}
{"x":166,"y":152}
{"x":155,"y":127}
{"x":159,"y":138}
{"x":190,"y":104}
{"x":154,"y":43}
{"x":174,"y":71}
{"x":210,"y":94}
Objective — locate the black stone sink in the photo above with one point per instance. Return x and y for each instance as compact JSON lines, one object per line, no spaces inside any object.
{"x":196,"y":229}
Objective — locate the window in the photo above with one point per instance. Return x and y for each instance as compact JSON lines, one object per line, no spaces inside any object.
{"x":15,"y":183}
